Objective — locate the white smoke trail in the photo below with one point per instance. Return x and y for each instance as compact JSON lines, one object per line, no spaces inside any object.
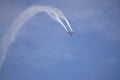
{"x":10,"y":36}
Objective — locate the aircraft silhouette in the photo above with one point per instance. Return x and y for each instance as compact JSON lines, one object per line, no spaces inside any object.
{"x":70,"y":32}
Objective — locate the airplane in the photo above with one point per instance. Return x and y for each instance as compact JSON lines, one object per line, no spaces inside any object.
{"x":70,"y":32}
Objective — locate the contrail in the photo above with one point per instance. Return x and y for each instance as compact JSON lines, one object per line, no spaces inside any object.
{"x":10,"y":36}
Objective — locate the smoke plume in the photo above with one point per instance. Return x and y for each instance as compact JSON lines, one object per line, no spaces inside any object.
{"x":10,"y":36}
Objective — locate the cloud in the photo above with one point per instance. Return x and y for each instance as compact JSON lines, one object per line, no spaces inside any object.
{"x":101,"y":17}
{"x":38,"y":48}
{"x":85,"y":17}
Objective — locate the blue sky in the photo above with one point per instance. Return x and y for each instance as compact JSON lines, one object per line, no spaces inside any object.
{"x":43,"y":51}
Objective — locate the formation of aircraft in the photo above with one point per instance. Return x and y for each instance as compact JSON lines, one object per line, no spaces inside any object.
{"x":70,"y":32}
